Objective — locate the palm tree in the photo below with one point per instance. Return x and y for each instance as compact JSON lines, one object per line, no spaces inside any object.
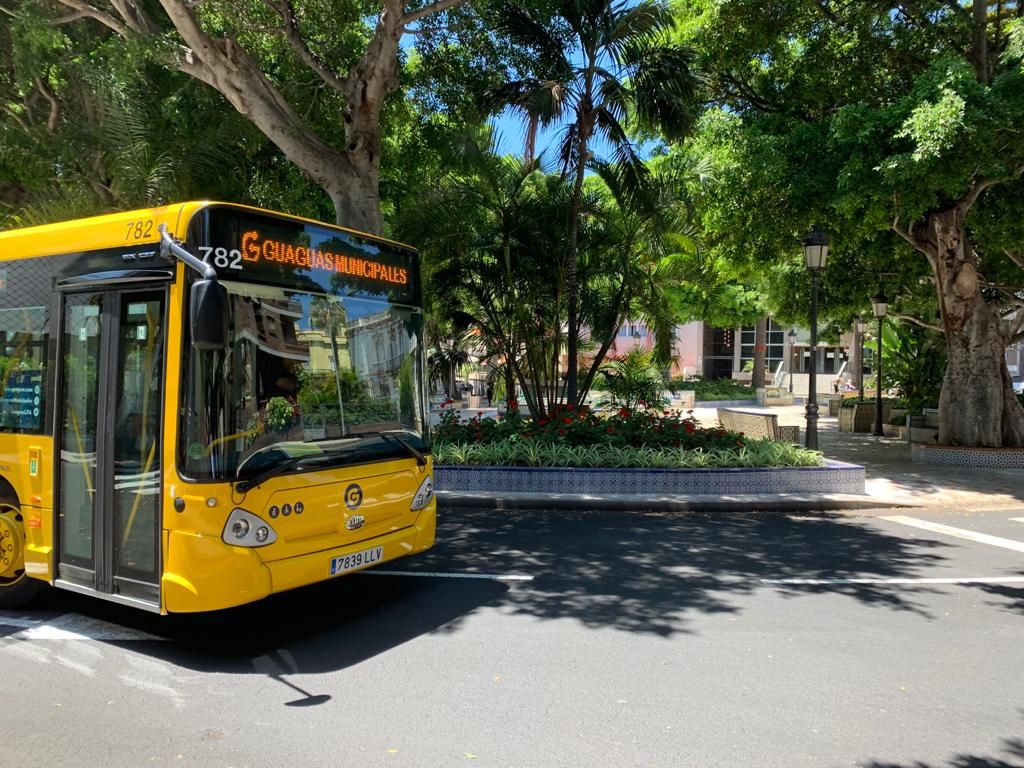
{"x":327,"y":314}
{"x":624,"y":65}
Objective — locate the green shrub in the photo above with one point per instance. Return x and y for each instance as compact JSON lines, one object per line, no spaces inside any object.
{"x":715,"y":389}
{"x":643,"y":427}
{"x":634,"y":381}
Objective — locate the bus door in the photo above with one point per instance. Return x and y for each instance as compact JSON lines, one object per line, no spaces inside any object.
{"x":109,"y":441}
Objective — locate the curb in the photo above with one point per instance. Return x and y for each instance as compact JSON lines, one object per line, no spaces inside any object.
{"x":781,"y":502}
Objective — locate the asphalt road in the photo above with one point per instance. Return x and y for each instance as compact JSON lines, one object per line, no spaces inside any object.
{"x":580,"y":640}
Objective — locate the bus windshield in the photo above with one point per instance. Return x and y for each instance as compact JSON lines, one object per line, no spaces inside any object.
{"x":303,"y":374}
{"x":321,"y":367}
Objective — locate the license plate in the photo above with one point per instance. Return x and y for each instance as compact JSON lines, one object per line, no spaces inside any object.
{"x":356,"y":560}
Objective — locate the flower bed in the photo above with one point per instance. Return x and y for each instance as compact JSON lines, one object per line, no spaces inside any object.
{"x":644,"y":438}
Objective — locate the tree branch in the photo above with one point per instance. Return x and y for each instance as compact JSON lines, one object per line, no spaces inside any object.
{"x":62,"y":20}
{"x":15,"y":117}
{"x":913,"y":241}
{"x":1016,"y":258}
{"x":55,"y":106}
{"x":135,"y":17}
{"x":89,"y":11}
{"x":435,"y":7}
{"x":298,"y":42}
{"x":981,"y":185}
{"x":917,"y":321}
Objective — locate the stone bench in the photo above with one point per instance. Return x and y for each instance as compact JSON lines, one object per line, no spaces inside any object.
{"x":757,"y":425}
{"x":683,"y":400}
{"x":774,"y":396}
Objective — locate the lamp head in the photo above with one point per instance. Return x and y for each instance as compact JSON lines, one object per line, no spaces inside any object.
{"x":816,"y":245}
{"x":880,"y":305}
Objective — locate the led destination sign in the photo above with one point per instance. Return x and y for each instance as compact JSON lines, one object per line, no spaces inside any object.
{"x":256,"y":247}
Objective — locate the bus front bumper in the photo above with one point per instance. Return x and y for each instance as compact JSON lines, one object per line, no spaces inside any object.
{"x":203,"y":573}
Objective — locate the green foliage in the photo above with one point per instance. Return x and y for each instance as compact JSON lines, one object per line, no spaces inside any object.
{"x":914,"y":362}
{"x":278,"y":414}
{"x":516,"y":453}
{"x":715,"y":389}
{"x":851,"y":119}
{"x":634,"y":381}
{"x":580,"y":427}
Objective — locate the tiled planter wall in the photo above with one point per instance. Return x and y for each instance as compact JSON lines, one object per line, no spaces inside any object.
{"x":991,"y":458}
{"x":834,"y":477}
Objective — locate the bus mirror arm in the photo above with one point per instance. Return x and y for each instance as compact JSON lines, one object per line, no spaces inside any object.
{"x":169,"y":247}
{"x":208,"y":299}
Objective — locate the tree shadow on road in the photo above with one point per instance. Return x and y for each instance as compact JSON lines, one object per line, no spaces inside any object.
{"x":1013,"y":748}
{"x":640,"y":573}
{"x":1013,"y":596}
{"x":650,"y":573}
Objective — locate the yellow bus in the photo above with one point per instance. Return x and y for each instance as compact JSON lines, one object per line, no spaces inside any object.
{"x":203,"y":404}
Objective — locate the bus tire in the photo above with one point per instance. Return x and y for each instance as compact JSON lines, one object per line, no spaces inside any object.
{"x":16,"y":588}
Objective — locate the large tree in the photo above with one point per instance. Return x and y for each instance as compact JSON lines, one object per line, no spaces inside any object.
{"x":493,"y":233}
{"x":896,"y":126}
{"x":619,"y":62}
{"x":313,"y":77}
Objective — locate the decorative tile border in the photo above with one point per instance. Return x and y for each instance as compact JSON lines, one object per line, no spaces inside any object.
{"x":955,"y":456}
{"x":834,"y":477}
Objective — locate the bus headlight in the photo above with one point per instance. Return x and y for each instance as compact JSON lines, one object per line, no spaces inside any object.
{"x":244,"y":529}
{"x":423,"y":494}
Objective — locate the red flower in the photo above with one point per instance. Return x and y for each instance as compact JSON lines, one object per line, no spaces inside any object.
{"x":542,"y":423}
{"x":561,"y":432}
{"x":566,"y":420}
{"x":479,"y":413}
{"x":610,"y":430}
{"x":689,"y":428}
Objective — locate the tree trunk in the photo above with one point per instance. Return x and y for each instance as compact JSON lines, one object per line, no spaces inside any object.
{"x":572,"y":287}
{"x":856,"y":359}
{"x":760,"y":342}
{"x":977,"y":406}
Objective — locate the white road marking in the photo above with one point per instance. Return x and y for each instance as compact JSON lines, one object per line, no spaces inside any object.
{"x":71,"y":626}
{"x":960,"y":533}
{"x":1017,"y":519}
{"x":151,"y":676}
{"x":440,"y":575}
{"x":968,"y":580}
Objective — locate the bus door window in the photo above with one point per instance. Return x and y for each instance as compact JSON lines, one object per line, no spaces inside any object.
{"x":137,"y":436}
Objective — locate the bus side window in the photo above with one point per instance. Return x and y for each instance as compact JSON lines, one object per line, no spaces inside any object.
{"x":25,"y":290}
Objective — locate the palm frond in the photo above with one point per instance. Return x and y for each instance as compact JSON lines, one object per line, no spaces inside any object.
{"x":666,"y":86}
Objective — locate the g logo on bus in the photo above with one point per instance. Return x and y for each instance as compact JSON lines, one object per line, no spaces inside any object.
{"x":353,"y":496}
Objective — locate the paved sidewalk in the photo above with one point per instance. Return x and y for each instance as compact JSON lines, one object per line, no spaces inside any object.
{"x":893,"y":479}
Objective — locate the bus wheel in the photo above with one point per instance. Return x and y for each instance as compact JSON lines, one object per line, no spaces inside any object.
{"x":16,"y":588}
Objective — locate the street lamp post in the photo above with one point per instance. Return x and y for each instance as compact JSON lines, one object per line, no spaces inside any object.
{"x":880,"y":307}
{"x":789,"y":358}
{"x":815,"y":254}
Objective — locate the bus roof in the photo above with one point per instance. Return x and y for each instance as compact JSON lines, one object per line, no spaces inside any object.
{"x":138,"y":227}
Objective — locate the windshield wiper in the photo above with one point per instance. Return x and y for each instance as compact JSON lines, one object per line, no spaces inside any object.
{"x":277,"y":469}
{"x":411,"y":449}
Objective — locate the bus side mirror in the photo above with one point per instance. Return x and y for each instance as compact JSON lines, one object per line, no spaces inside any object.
{"x":208,"y":308}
